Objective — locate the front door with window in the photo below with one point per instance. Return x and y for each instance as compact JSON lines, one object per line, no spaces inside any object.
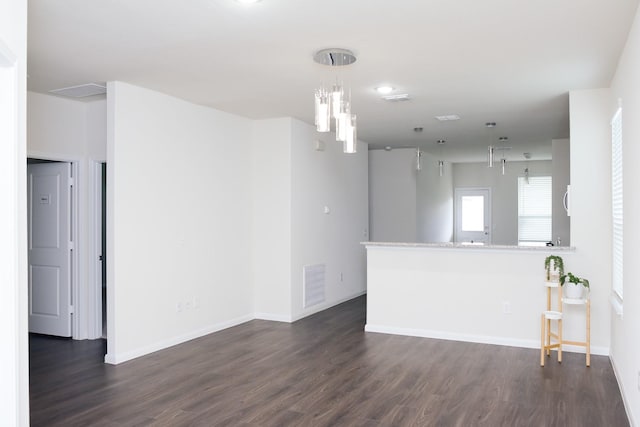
{"x":473,"y":215}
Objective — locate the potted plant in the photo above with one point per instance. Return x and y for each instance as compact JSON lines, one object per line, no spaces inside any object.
{"x":574,"y":285}
{"x":554,"y":265}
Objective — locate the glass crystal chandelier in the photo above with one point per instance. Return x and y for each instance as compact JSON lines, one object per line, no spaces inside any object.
{"x":332,"y":104}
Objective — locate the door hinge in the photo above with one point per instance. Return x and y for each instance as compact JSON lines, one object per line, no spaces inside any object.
{"x":70,"y":309}
{"x":71,"y":246}
{"x":71,"y":182}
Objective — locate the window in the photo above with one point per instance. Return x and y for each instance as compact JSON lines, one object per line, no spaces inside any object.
{"x":534,"y":210}
{"x":616,"y":192}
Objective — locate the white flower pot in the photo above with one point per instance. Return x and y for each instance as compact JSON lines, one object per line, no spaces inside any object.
{"x":572,"y":290}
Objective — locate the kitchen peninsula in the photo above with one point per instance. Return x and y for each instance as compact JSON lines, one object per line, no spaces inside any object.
{"x":488,"y":294}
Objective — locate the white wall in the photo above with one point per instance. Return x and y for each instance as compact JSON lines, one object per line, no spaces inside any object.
{"x":271,"y":218}
{"x":338,"y":181}
{"x":625,"y":332}
{"x":504,"y":192}
{"x":591,"y":201}
{"x":434,"y":201}
{"x":70,"y":130}
{"x":179,"y":215}
{"x":560,"y":164}
{"x":14,"y":355}
{"x":392,"y":195}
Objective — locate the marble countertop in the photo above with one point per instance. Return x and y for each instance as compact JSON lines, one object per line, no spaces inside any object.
{"x":469,"y":247}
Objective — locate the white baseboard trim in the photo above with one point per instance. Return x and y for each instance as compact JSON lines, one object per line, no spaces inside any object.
{"x":481,"y":339}
{"x":115,"y":359}
{"x":625,"y":400}
{"x":272,"y":317}
{"x":321,"y":307}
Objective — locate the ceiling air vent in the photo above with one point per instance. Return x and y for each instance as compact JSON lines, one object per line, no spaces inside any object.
{"x":81,"y":91}
{"x":447,"y":117}
{"x":397,"y":97}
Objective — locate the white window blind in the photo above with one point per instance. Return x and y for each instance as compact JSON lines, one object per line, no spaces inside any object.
{"x":534,"y":209}
{"x":616,"y":192}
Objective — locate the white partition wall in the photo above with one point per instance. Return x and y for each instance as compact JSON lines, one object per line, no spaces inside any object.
{"x":179,"y":215}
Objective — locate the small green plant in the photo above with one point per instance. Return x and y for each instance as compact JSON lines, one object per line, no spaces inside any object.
{"x":569,"y":277}
{"x":558,"y":265}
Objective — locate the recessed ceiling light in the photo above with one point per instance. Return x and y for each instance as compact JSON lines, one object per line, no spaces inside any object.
{"x":384,"y":90}
{"x":398,"y":97}
{"x":387,"y":148}
{"x":418,"y":129}
{"x":448,"y":117}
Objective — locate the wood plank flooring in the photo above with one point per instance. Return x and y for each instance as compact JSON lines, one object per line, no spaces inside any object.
{"x":320,"y":371}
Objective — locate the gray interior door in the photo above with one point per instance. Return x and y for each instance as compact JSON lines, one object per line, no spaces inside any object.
{"x":50,"y":245}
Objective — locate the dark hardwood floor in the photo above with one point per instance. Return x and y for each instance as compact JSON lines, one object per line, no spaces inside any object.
{"x":320,"y":371}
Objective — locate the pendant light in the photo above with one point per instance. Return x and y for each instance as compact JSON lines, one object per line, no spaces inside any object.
{"x":491,"y":149}
{"x":503,"y":159}
{"x":418,"y":160}
{"x":441,"y":143}
{"x":332,"y":104}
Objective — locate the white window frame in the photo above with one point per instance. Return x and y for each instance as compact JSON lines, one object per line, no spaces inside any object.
{"x":617,"y":279}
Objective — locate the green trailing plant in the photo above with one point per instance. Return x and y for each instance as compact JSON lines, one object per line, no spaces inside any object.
{"x":557,"y":262}
{"x":569,"y":277}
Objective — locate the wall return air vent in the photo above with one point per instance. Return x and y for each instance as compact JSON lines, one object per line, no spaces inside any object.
{"x":314,"y":284}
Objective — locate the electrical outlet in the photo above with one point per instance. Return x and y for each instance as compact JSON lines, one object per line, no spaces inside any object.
{"x":341,"y":277}
{"x":638,"y":380}
{"x":194,"y":303}
{"x":179,"y":307}
{"x":506,"y":307}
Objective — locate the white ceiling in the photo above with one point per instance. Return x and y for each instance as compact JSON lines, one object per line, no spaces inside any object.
{"x":508,"y":61}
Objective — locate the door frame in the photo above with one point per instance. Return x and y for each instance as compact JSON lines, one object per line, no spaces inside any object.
{"x":455,"y":210}
{"x":94,"y":290}
{"x":75,"y":272}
